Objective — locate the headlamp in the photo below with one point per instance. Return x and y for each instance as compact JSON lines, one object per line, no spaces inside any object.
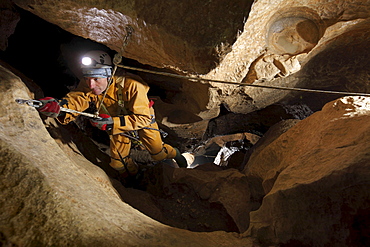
{"x":87,"y":61}
{"x":99,"y":73}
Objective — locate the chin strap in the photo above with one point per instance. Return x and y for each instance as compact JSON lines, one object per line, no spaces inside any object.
{"x":116,"y":61}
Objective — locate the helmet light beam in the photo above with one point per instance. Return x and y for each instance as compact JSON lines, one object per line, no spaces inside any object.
{"x":86,"y":61}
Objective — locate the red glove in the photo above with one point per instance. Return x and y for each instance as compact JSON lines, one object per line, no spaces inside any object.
{"x":104,"y":123}
{"x":50,"y":107}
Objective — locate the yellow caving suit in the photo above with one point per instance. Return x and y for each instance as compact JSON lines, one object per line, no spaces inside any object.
{"x":133,"y":113}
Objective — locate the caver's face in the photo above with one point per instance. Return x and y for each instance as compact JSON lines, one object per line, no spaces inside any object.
{"x":97,"y":84}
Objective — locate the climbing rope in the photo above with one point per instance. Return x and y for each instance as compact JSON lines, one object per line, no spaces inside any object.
{"x":116,"y":61}
{"x":243,"y":84}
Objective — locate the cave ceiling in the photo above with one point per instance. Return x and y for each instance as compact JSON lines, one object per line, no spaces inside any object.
{"x":307,"y":44}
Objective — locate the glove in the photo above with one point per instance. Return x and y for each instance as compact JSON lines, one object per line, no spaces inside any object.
{"x":50,"y":107}
{"x":105,"y":123}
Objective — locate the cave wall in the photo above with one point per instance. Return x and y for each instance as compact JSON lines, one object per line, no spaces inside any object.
{"x":313,"y":177}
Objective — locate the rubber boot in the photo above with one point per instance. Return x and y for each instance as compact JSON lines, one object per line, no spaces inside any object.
{"x":180,"y":160}
{"x":128,"y":177}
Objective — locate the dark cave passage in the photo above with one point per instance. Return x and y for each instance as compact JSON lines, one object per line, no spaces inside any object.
{"x":50,"y":56}
{"x":34,"y":49}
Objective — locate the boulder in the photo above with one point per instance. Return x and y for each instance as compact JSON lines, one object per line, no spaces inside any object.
{"x":315,"y":178}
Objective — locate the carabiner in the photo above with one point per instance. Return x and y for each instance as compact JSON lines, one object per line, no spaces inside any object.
{"x":30,"y":102}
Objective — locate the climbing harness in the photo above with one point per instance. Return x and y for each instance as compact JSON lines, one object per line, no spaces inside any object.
{"x":163,"y":133}
{"x":133,"y":135}
{"x":38,"y":104}
{"x":242,"y":84}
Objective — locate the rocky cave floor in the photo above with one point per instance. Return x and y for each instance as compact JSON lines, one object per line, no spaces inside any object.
{"x":183,"y":207}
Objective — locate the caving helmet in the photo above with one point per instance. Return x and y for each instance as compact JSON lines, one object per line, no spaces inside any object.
{"x":96,"y":64}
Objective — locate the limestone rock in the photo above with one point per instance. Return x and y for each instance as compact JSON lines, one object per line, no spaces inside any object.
{"x":315,"y":178}
{"x":257,"y":57}
{"x":164,"y":34}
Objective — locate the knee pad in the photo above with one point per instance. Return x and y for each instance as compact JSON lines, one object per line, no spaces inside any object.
{"x":167,"y":152}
